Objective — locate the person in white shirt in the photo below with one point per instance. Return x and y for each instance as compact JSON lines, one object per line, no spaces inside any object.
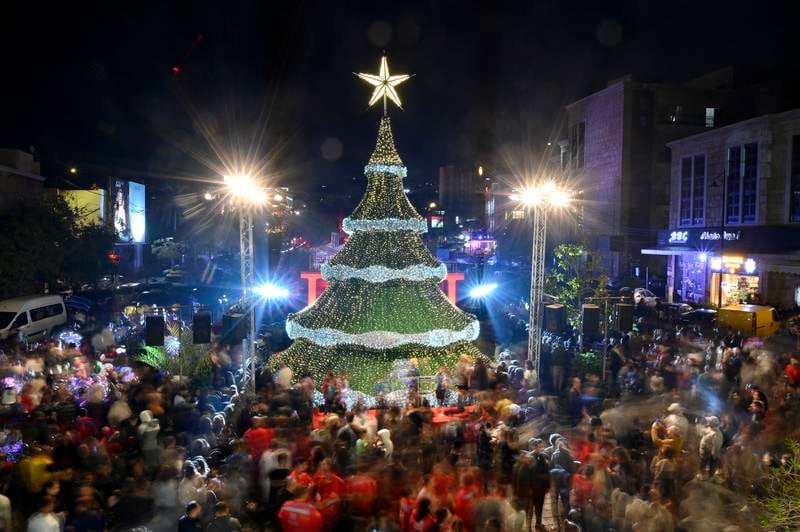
{"x":45,"y":520}
{"x":192,"y":486}
{"x":5,"y":509}
{"x":284,"y":377}
{"x":711,"y":439}
{"x":677,"y":419}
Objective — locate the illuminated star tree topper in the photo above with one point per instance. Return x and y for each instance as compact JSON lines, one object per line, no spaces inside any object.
{"x":384,"y":84}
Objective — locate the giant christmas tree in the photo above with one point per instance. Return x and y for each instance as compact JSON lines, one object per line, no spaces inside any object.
{"x":383,"y":300}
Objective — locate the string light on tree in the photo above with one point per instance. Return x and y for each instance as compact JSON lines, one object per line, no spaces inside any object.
{"x":382,"y":302}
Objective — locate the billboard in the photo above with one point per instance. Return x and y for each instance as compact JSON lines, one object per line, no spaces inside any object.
{"x":127,"y":201}
{"x":90,"y":204}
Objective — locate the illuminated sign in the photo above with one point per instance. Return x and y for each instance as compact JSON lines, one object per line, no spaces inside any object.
{"x":734,"y":263}
{"x":128,"y":210}
{"x":678,"y":237}
{"x":437,"y":221}
{"x":695,"y":236}
{"x":715,"y":235}
{"x":136,"y":200}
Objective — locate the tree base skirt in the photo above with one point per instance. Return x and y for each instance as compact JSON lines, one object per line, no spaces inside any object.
{"x":367,"y":370}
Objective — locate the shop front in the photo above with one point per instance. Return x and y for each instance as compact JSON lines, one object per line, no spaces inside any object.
{"x":720,"y":267}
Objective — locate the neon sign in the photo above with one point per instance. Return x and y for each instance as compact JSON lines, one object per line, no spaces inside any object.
{"x":715,"y":235}
{"x":679,"y":237}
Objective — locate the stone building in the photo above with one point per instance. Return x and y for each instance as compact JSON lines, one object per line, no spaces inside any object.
{"x":615,"y":151}
{"x":734,"y":214}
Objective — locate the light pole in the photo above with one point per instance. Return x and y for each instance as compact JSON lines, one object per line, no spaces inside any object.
{"x":247,"y":194}
{"x":540,"y":198}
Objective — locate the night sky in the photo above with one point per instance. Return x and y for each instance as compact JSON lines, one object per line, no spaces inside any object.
{"x":90,"y":84}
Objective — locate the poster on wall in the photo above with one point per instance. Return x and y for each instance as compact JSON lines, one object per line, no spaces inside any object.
{"x":128,"y":210}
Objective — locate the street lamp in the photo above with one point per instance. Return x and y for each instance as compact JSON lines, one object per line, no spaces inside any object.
{"x":540,"y":198}
{"x":247,"y":194}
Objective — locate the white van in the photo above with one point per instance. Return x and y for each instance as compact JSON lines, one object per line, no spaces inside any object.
{"x":33,"y":316}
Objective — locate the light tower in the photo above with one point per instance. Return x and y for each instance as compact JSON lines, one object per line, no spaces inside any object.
{"x":247,"y":194}
{"x":539,"y":198}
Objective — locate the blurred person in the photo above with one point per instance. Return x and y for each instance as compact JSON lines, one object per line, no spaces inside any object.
{"x":792,"y":371}
{"x":223,"y":521}
{"x":298,"y":514}
{"x":442,"y":385}
{"x":710,"y":446}
{"x":575,"y":400}
{"x":676,"y":418}
{"x":190,"y":521}
{"x":422,"y":519}
{"x":45,"y":520}
{"x":148,"y":439}
{"x":192,"y":486}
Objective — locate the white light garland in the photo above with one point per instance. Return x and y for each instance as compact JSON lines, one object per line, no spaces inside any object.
{"x":381,"y":274}
{"x":396,"y":169}
{"x":351,"y":226}
{"x":383,"y":339}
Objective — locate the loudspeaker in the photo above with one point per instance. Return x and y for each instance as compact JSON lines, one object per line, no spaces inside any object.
{"x":555,"y":318}
{"x":154,"y":330}
{"x":623,"y":313}
{"x":590,"y":320}
{"x":201,"y":328}
{"x":234,"y":328}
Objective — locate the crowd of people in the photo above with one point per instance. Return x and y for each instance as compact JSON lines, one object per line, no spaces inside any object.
{"x":677,"y":436}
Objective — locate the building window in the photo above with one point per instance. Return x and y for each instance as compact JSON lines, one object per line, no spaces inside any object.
{"x":576,"y":144}
{"x":710,"y":112}
{"x":794,"y":195}
{"x":742,"y":192}
{"x":693,"y":190}
{"x":517,"y":215}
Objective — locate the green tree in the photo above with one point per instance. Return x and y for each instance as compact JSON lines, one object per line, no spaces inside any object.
{"x":577,"y":273}
{"x":167,"y":249}
{"x":43,"y":243}
{"x":779,"y":501}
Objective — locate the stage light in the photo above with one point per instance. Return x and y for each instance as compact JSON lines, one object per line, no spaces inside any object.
{"x":482,"y":290}
{"x":272,"y":291}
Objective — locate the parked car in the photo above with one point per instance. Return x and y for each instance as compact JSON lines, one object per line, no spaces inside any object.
{"x":33,"y":316}
{"x":703,"y":319}
{"x":643,"y":296}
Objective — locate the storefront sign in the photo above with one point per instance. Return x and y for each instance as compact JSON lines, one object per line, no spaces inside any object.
{"x":678,"y":237}
{"x":715,"y":235}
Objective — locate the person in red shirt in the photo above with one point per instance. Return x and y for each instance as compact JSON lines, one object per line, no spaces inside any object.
{"x":299,"y":514}
{"x":441,"y":482}
{"x":360,"y":493}
{"x":331,"y":490}
{"x":464,"y":502}
{"x":300,"y":474}
{"x":422,"y":519}
{"x":582,"y":486}
{"x":327,"y":482}
{"x":258,"y":438}
{"x":792,"y":371}
{"x":406,"y":510}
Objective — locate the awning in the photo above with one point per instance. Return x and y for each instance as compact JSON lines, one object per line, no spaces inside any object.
{"x":667,"y":250}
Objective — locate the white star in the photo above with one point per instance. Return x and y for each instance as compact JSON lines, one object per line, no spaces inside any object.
{"x":384,"y":84}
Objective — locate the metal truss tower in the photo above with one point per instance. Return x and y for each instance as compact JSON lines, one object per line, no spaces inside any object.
{"x":537,"y":285}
